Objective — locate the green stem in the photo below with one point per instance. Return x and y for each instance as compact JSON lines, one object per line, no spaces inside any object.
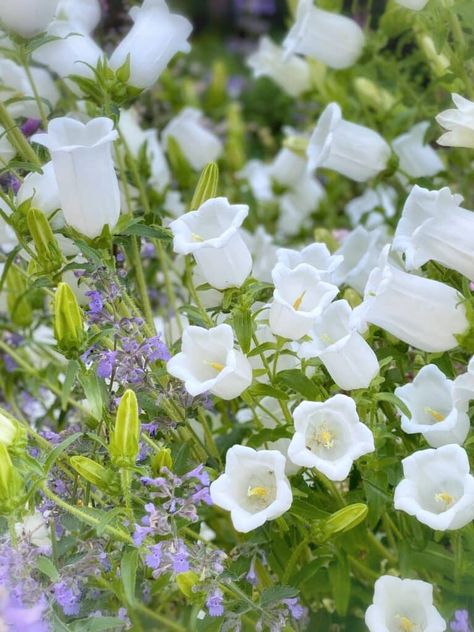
{"x":382,"y":550}
{"x":17,"y":139}
{"x":171,"y":625}
{"x":141,"y":283}
{"x":126,"y":482}
{"x":367,"y":573}
{"x":38,"y":99}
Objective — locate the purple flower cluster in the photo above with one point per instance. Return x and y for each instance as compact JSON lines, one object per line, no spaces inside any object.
{"x":168,"y":556}
{"x":461,"y":622}
{"x":256,"y":7}
{"x":17,"y":618}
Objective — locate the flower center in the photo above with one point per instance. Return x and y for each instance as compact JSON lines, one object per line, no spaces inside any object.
{"x":217,"y":366}
{"x":406,"y":624}
{"x":257,"y":492}
{"x":437,"y":416}
{"x":444,"y":497}
{"x":327,"y":339}
{"x":323,"y":437}
{"x":299,"y":300}
{"x":196,"y":237}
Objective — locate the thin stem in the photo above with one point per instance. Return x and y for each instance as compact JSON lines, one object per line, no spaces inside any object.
{"x":17,"y":139}
{"x":172,"y":625}
{"x":36,"y":94}
{"x":141,"y":283}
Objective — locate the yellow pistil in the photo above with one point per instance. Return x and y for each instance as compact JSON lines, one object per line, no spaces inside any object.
{"x":435,"y":414}
{"x":326,"y":338}
{"x":324,"y":437}
{"x":258,"y":491}
{"x":299,"y":300}
{"x":406,"y":625}
{"x":444,"y":497}
{"x":196,"y":237}
{"x":215,"y":365}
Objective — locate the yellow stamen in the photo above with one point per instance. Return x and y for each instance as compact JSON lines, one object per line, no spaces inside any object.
{"x":299,"y":300}
{"x":327,"y":339}
{"x":324,"y":437}
{"x":258,"y":491}
{"x":215,"y":365}
{"x":435,"y":414}
{"x":444,"y":497}
{"x":196,"y":237}
{"x":406,"y":625}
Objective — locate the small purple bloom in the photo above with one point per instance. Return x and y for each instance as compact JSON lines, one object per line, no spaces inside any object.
{"x":180,"y":558}
{"x":297,"y":611}
{"x":30,"y":127}
{"x":215,"y":603}
{"x":460,"y":622}
{"x":68,"y":597}
{"x":96,"y":303}
{"x":154,"y":557}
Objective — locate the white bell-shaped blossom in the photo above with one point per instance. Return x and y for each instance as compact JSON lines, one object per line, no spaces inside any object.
{"x":355,"y":151}
{"x":198,"y":144}
{"x":465,"y":383}
{"x":35,"y":530}
{"x":372,"y":207}
{"x":154,"y":39}
{"x":7,"y":151}
{"x":299,"y":297}
{"x":253,"y":488}
{"x":8,"y":238}
{"x":290,"y":72}
{"x":414,"y":5}
{"x":403,"y":605}
{"x":439,"y":411}
{"x":316,"y":255}
{"x":84,"y":170}
{"x":15,"y":85}
{"x":329,"y":436}
{"x":459,"y":124}
{"x":288,"y":168}
{"x":332,"y":39}
{"x":426,"y":314}
{"x":211,"y":234}
{"x":71,"y":53}
{"x":437,"y":488}
{"x":42,"y":190}
{"x":434,"y":226}
{"x":360,"y":251}
{"x":84,"y":14}
{"x":136,"y":138}
{"x":209,"y":362}
{"x":349,"y":359}
{"x":263,"y":252}
{"x":257,"y":174}
{"x":297,"y":205}
{"x":27,"y":17}
{"x":417,"y":158}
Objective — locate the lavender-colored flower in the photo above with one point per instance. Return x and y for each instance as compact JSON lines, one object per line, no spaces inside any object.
{"x":154,"y":557}
{"x":68,"y":597}
{"x":9,"y":182}
{"x":180,"y":558}
{"x":106,"y":365}
{"x":18,"y":618}
{"x":297,"y":611}
{"x":461,"y":623}
{"x":215,"y":603}
{"x":30,"y":127}
{"x":96,"y":301}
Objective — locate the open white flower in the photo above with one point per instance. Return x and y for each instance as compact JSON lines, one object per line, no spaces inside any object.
{"x":14,"y":83}
{"x":417,"y":158}
{"x":349,"y":359}
{"x":253,"y":488}
{"x":35,"y":530}
{"x":84,"y":14}
{"x":459,"y":123}
{"x":27,"y":17}
{"x":209,"y":362}
{"x":438,"y":488}
{"x":360,"y":251}
{"x":329,"y":436}
{"x":434,"y":226}
{"x":298,"y":203}
{"x":355,"y":151}
{"x":425,"y":314}
{"x":199,"y":145}
{"x":372,"y":207}
{"x":211,"y":235}
{"x":316,"y":255}
{"x":333,"y":39}
{"x":257,"y":174}
{"x":403,"y":605}
{"x":42,"y":190}
{"x":288,"y":168}
{"x":263,"y":251}
{"x":299,"y":297}
{"x":154,"y":39}
{"x":290,"y":72}
{"x":414,"y":5}
{"x":438,"y":410}
{"x":84,"y":170}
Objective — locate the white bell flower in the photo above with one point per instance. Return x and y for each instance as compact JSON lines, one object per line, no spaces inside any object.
{"x":329,"y":436}
{"x":257,"y":174}
{"x":209,"y":362}
{"x":434,"y":226}
{"x":15,"y":84}
{"x":211,"y":234}
{"x":288,"y":168}
{"x":299,"y":297}
{"x":42,"y":190}
{"x":84,"y":170}
{"x":297,"y":205}
{"x":437,"y":488}
{"x":425,"y":314}
{"x":8,"y":238}
{"x":459,"y":124}
{"x":290,"y":72}
{"x":316,"y":255}
{"x":372,"y":207}
{"x":199,"y":145}
{"x":349,"y":359}
{"x":417,"y":158}
{"x":403,"y":605}
{"x":355,"y":151}
{"x":8,"y":430}
{"x":27,"y":17}
{"x":154,"y":39}
{"x":439,"y":411}
{"x":465,"y":383}
{"x":34,"y":529}
{"x":360,"y":251}
{"x":315,"y":31}
{"x":253,"y":488}
{"x":84,"y":14}
{"x":263,"y":251}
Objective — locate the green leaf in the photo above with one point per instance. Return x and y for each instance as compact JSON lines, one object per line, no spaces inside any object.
{"x":93,"y":391}
{"x":59,"y":449}
{"x":46,"y":566}
{"x":243,"y":327}
{"x":71,"y":372}
{"x":391,"y":398}
{"x":97,"y":624}
{"x":297,"y":381}
{"x":340,"y":579}
{"x":277,"y":593}
{"x":128,"y":573}
{"x":152,"y":232}
{"x":265,"y":390}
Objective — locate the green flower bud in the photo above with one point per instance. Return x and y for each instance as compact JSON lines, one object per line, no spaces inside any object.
{"x":234,"y":148}
{"x":345,"y":519}
{"x":352,"y":297}
{"x":124,"y":439}
{"x":217,"y":93}
{"x":68,"y":321}
{"x":438,"y":61}
{"x":19,"y":306}
{"x":12,"y":434}
{"x":324,"y":236}
{"x":186,"y":582}
{"x":11,"y":484}
{"x":373,"y":95}
{"x":297,"y":144}
{"x":47,"y":248}
{"x":93,"y":472}
{"x":179,"y":165}
{"x":162,"y":459}
{"x":207,"y":186}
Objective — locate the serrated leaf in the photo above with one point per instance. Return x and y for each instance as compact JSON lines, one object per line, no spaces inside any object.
{"x":277,"y":593}
{"x":152,"y":232}
{"x":297,"y":381}
{"x":46,"y":566}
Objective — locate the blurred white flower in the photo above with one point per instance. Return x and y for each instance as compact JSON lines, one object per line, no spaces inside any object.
{"x":16,"y":85}
{"x":42,"y":190}
{"x":7,"y":151}
{"x":263,"y":251}
{"x":35,"y":530}
{"x":417,"y":158}
{"x":84,"y":14}
{"x":27,"y":17}
{"x":415,"y":5}
{"x":459,"y":122}
{"x":316,"y":255}
{"x":370,"y":203}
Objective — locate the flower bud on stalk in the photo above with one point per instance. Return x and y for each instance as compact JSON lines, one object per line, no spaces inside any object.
{"x":207,"y":186}
{"x":93,"y":472}
{"x":68,"y":320}
{"x":19,"y":307}
{"x":346,"y":519}
{"x":12,"y":435}
{"x":161,"y":460}
{"x":11,"y":483}
{"x":47,"y":248}
{"x":124,"y":439}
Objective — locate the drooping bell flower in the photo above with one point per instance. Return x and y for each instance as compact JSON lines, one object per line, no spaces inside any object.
{"x":459,"y":124}
{"x":27,"y":17}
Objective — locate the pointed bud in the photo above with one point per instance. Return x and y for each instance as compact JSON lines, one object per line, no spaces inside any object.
{"x":186,"y":582}
{"x":297,"y":144}
{"x":47,"y":248}
{"x":12,"y":434}
{"x":234,"y":149}
{"x":179,"y":165}
{"x":11,"y":484}
{"x":373,"y":95}
{"x":162,"y":459}
{"x":124,"y":439}
{"x":217,"y":93}
{"x":207,"y":186}
{"x":19,"y":307}
{"x":326,"y":237}
{"x":93,"y":472}
{"x":352,"y":297}
{"x":68,"y":320}
{"x":346,"y":518}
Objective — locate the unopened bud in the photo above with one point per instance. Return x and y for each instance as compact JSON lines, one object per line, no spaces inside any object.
{"x":346,"y":518}
{"x":179,"y":164}
{"x":186,"y":582}
{"x":19,"y":307}
{"x":297,"y":144}
{"x":324,"y":236}
{"x":12,"y":434}
{"x":162,"y":459}
{"x":47,"y":248}
{"x":352,"y":297}
{"x":207,"y":186}
{"x":373,"y":95}
{"x":124,"y":439}
{"x":11,"y":484}
{"x":217,"y":92}
{"x":438,"y":61}
{"x":68,"y":320}
{"x":93,"y":472}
